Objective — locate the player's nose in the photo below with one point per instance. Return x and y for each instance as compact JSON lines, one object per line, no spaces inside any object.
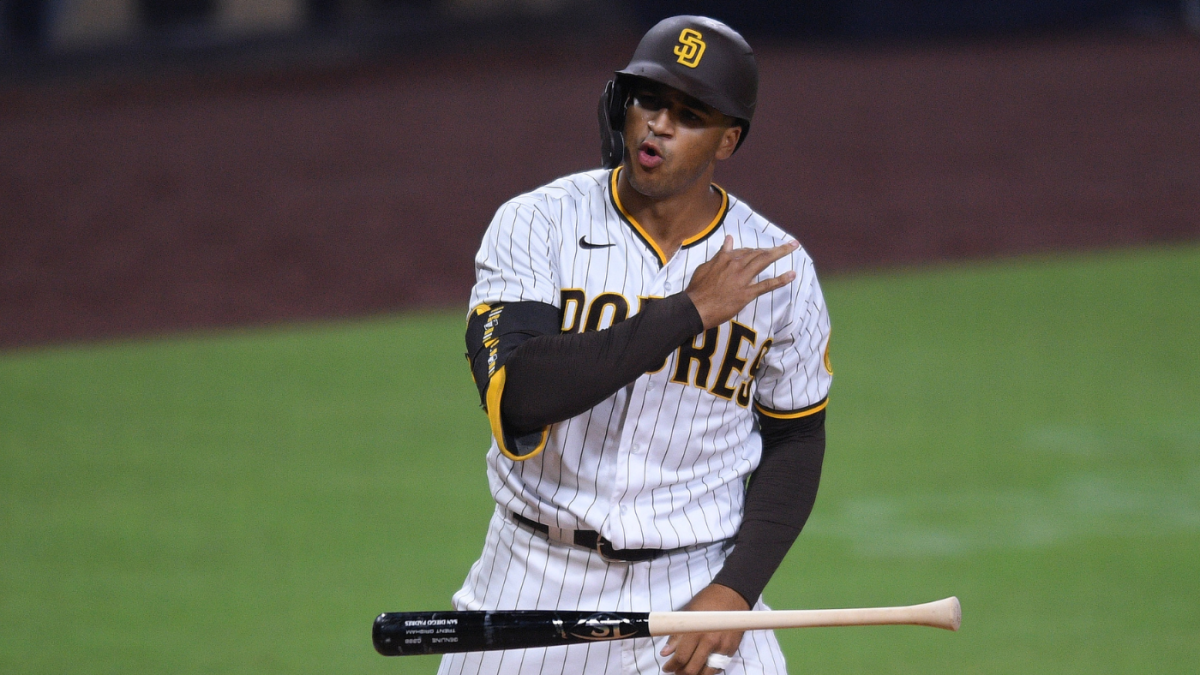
{"x":660,"y":122}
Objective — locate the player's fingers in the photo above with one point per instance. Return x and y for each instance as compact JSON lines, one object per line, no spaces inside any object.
{"x":768,"y":285}
{"x":786,"y":247}
{"x":724,"y":645}
{"x":685,"y":647}
{"x":698,"y":663}
{"x":761,"y":258}
{"x":774,"y":253}
{"x":725,"y":253}
{"x":669,"y":648}
{"x":734,"y":254}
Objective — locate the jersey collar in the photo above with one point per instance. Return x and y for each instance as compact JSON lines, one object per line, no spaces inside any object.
{"x":646,"y":239}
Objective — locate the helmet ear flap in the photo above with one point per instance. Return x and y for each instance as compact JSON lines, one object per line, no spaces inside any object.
{"x":612,"y":124}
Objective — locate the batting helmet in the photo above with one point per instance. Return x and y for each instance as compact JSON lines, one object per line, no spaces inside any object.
{"x":699,"y":56}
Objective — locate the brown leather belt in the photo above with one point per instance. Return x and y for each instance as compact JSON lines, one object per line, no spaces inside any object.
{"x":592,"y":539}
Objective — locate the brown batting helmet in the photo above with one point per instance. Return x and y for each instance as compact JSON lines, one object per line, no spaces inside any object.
{"x":700,"y":57}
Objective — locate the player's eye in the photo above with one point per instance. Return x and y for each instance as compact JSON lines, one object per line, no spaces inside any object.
{"x":648,"y":101}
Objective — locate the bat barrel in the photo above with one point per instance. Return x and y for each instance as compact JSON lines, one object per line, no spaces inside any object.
{"x":408,"y":633}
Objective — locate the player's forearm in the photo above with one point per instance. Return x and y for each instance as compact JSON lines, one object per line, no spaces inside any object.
{"x":778,"y":502}
{"x":551,"y":378}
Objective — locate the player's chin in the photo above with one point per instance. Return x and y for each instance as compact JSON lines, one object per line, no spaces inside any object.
{"x":652,"y":183}
{"x":651,"y":188}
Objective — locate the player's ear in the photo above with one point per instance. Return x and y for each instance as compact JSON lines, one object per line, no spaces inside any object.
{"x":729,"y":141}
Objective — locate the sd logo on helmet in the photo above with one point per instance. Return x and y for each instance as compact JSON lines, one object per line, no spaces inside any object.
{"x":699,"y":56}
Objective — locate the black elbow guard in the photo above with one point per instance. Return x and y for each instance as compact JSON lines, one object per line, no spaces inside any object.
{"x":493,"y":333}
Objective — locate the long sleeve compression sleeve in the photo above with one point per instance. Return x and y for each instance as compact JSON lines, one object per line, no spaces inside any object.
{"x":780,"y":498}
{"x":554,"y":377}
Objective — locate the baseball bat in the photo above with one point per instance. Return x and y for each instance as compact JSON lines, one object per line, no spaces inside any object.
{"x":407,"y":633}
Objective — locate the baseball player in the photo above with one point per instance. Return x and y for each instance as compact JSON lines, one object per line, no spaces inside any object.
{"x":652,"y":358}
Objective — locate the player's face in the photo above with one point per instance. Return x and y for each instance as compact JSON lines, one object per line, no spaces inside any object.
{"x":672,"y":140}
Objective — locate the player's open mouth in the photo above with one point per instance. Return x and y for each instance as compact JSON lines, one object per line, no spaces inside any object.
{"x":649,"y":156}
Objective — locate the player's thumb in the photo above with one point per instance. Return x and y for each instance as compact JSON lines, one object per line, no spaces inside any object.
{"x":670,"y":648}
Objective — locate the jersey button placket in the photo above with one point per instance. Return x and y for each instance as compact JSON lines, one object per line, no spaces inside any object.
{"x":667,"y":273}
{"x":634,"y":442}
{"x":614,"y":529}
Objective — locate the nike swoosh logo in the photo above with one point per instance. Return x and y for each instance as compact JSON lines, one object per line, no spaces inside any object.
{"x":584,"y":243}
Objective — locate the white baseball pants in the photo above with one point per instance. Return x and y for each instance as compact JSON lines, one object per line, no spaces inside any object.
{"x":523,"y":569}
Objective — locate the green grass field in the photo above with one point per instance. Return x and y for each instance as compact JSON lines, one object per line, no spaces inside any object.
{"x":1025,"y":435}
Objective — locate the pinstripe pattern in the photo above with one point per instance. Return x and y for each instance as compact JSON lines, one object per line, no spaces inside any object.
{"x":661,"y":463}
{"x":521,"y":569}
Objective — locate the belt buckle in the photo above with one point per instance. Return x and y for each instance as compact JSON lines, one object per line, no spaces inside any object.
{"x":639,"y":555}
{"x":600,"y":546}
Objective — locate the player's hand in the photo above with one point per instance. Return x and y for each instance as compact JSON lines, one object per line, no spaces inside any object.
{"x":690,"y":651}
{"x":722,"y":286}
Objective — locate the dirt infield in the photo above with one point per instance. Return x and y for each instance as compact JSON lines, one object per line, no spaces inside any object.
{"x":161,"y":206}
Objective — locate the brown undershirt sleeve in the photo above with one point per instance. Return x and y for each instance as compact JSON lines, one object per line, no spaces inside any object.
{"x":779,"y":499}
{"x":551,"y":378}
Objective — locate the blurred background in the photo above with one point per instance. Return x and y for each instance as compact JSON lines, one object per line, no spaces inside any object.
{"x":236,"y":242}
{"x":175,"y":164}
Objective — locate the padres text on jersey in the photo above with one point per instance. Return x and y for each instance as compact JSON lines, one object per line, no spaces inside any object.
{"x":663,"y":462}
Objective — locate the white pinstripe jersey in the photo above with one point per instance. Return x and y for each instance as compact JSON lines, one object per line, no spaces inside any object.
{"x":662,"y":463}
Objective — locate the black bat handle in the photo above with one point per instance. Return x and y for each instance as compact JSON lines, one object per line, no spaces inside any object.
{"x":407,"y":633}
